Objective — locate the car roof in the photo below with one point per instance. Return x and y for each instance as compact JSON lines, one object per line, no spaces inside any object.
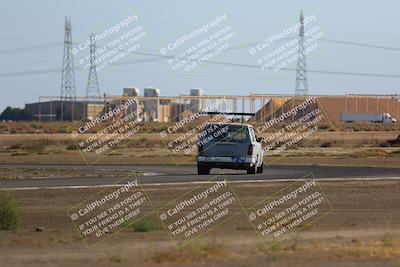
{"x":234,"y":123}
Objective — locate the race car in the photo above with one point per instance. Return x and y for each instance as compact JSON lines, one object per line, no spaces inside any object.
{"x":229,"y":146}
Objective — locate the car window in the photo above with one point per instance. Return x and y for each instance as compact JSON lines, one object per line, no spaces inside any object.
{"x":237,"y":134}
{"x":226,"y":133}
{"x":252,"y":134}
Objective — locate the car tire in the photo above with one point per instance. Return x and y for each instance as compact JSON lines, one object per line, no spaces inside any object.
{"x":252,"y":170}
{"x":203,"y":170}
{"x":261,"y":168}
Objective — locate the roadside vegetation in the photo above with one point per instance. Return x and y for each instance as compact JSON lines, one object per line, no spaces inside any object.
{"x":147,"y":224}
{"x":193,"y":252}
{"x":10,"y":213}
{"x":23,"y":127}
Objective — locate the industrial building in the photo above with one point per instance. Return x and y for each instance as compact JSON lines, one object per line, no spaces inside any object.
{"x":57,"y":110}
{"x":195,"y":104}
{"x":333,"y":106}
{"x":154,"y":107}
{"x":157,"y":108}
{"x":151,"y":107}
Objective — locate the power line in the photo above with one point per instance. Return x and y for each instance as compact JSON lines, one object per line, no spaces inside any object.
{"x":58,"y":70}
{"x":48,"y":45}
{"x":30,"y":48}
{"x":329,"y":40}
{"x":159,"y":57}
{"x":285,"y":69}
{"x":233,"y":64}
{"x":360,"y":44}
{"x":236,"y":77}
{"x":29,"y":72}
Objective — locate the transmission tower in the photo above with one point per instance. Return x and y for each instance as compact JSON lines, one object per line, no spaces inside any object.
{"x":301,"y":70}
{"x":92,"y":89}
{"x":68,"y":92}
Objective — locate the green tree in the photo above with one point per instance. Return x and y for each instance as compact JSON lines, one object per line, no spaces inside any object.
{"x":15,"y":114}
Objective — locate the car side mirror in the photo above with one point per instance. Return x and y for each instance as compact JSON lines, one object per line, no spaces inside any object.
{"x":259,"y":139}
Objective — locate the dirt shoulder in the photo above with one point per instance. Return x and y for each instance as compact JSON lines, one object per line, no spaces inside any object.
{"x":360,"y":231}
{"x":359,"y":150}
{"x":39,"y":173}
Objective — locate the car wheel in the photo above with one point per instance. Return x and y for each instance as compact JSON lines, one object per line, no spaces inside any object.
{"x":261,"y":168}
{"x":252,"y":170}
{"x":203,"y":170}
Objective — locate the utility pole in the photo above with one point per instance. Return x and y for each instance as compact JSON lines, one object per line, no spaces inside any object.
{"x":68,"y":91}
{"x":301,"y":69}
{"x":92,"y":89}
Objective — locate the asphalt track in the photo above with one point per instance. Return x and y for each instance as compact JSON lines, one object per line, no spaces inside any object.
{"x":160,"y":174}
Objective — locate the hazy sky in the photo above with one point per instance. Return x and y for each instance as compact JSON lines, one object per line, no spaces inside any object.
{"x":30,"y":23}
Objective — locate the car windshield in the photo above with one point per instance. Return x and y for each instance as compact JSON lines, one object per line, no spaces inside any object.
{"x":226,"y":133}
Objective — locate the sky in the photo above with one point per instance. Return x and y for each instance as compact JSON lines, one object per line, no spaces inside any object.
{"x":26,"y":74}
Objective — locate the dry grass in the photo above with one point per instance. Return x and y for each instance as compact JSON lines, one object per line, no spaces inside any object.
{"x":320,"y":139}
{"x":195,"y":251}
{"x":384,"y":249}
{"x":370,"y":153}
{"x":319,"y":247}
{"x":144,"y":225}
{"x":35,"y":127}
{"x":322,"y":147}
{"x":361,"y":249}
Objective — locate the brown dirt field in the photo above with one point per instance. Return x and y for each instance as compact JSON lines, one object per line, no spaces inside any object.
{"x":362,"y":230}
{"x":337,"y":149}
{"x":35,"y":127}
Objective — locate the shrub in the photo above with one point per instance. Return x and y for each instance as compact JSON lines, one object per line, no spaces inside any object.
{"x":36,"y":147}
{"x":387,"y":241}
{"x":369,"y":153}
{"x":15,"y":146}
{"x":327,"y":144}
{"x":145,"y":225}
{"x":115,"y":258}
{"x":72,"y":146}
{"x":395,"y":153}
{"x":10,"y":214}
{"x":194,"y":252}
